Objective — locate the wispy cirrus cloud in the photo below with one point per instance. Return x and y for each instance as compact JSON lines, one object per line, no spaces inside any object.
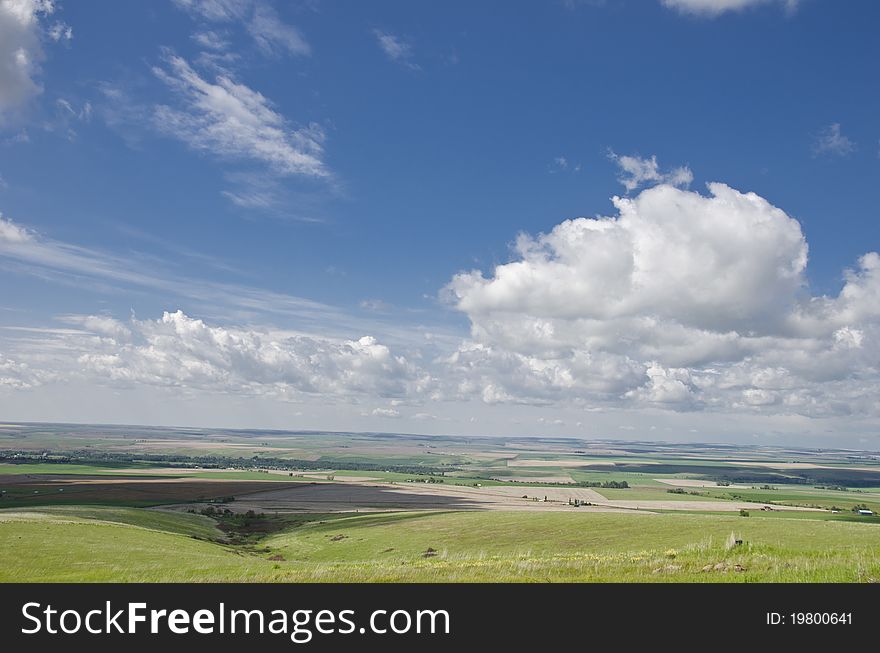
{"x":274,"y":37}
{"x":396,"y":49}
{"x":713,"y":8}
{"x":24,"y":250}
{"x":27,"y":251}
{"x":213,"y":111}
{"x":211,"y":39}
{"x":271,"y":35}
{"x":215,"y":10}
{"x":231,"y":120}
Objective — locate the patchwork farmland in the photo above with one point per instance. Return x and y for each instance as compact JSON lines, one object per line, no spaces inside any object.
{"x":106,"y":503}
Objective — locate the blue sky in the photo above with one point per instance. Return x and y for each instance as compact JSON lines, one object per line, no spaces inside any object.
{"x":294,"y":177}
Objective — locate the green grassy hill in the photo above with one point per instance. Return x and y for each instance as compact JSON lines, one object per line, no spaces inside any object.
{"x":134,"y":544}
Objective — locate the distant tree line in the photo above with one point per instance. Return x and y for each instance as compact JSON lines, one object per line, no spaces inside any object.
{"x":606,"y":484}
{"x":216,"y":462}
{"x":681,"y":490}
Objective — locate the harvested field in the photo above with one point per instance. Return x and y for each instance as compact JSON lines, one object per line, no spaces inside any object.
{"x":338,"y":497}
{"x":693,"y":482}
{"x":39,"y":489}
{"x":559,"y":494}
{"x":489,"y":455}
{"x":774,"y":465}
{"x":210,"y":445}
{"x":366,"y":497}
{"x":336,"y":477}
{"x":556,"y":463}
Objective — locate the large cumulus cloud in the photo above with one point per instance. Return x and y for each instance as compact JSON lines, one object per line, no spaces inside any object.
{"x":682,"y":300}
{"x":23,"y":28}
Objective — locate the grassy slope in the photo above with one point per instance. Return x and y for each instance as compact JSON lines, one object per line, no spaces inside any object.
{"x":100,"y":544}
{"x":96,"y":544}
{"x":604,"y":546}
{"x":167,"y":522}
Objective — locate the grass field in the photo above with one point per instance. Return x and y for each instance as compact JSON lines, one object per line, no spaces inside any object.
{"x":85,"y":503}
{"x":112,"y":544}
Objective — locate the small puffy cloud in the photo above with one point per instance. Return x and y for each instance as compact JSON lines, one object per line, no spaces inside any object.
{"x":636,"y":172}
{"x":21,"y":51}
{"x":712,"y":8}
{"x":101,"y":325}
{"x":831,"y":141}
{"x":60,"y":32}
{"x":391,"y":413}
{"x":396,"y":49}
{"x":12,"y":233}
{"x":231,"y":120}
{"x":681,"y":300}
{"x":15,"y":375}
{"x":561,"y":164}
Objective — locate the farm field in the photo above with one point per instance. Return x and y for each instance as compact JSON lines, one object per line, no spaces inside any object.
{"x":128,"y":504}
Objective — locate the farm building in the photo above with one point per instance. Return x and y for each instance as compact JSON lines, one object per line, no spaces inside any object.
{"x":866,"y":512}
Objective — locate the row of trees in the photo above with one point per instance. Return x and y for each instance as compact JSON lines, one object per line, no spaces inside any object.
{"x":215,"y":462}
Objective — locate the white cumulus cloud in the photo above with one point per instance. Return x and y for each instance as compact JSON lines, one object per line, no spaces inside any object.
{"x":21,"y":51}
{"x":180,"y":351}
{"x":680,"y":300}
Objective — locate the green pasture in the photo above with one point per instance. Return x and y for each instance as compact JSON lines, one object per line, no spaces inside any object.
{"x":110,"y":544}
